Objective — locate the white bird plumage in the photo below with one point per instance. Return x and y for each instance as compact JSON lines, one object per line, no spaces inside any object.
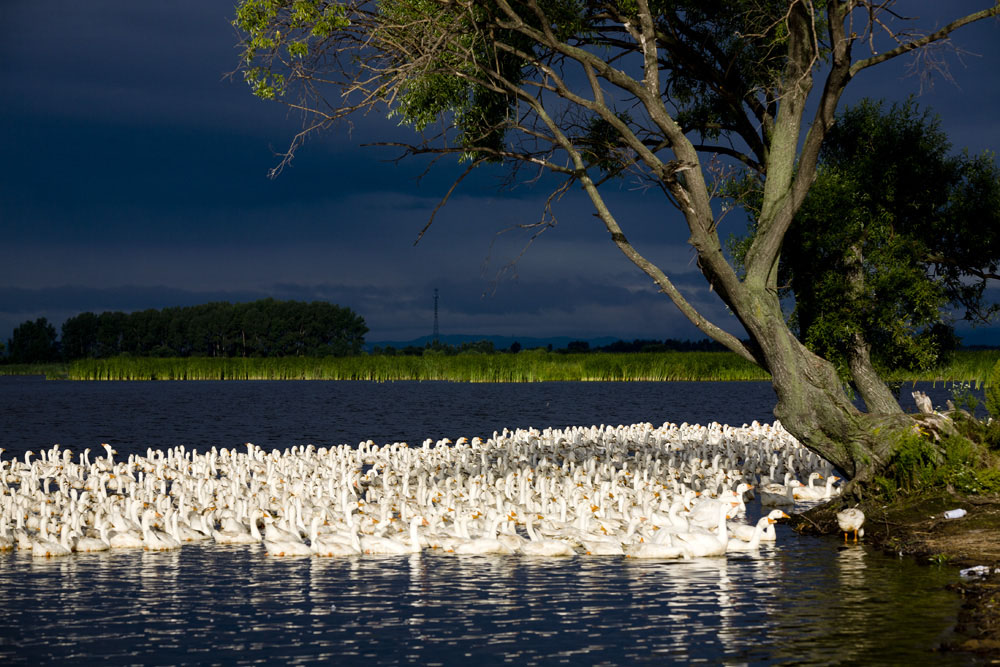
{"x":851,"y":519}
{"x":598,"y":490}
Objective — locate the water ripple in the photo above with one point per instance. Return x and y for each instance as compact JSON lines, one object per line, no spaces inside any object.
{"x":801,"y":602}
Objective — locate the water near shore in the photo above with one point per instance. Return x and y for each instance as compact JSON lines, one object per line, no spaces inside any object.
{"x":805,"y":600}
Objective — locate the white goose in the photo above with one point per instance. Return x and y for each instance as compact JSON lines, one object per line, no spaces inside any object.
{"x":88,"y":544}
{"x":156,"y":540}
{"x":328,"y":546}
{"x":392,"y":546}
{"x":851,"y":519}
{"x":705,"y":511}
{"x":6,"y":540}
{"x":813,"y":493}
{"x":779,"y":494}
{"x":126,"y":539}
{"x":707,"y":544}
{"x":43,"y":547}
{"x":537,"y":546}
{"x":663,"y":550}
{"x":286,"y":547}
{"x":738,"y":544}
{"x":236,"y":533}
{"x":745,"y":532}
{"x":487,"y":543}
{"x":808,"y":487}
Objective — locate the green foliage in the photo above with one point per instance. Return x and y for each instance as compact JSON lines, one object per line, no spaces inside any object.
{"x":921,"y":463}
{"x":278,"y":35}
{"x":51,"y":371}
{"x":33,"y":342}
{"x":993,"y":392}
{"x":261,"y":328}
{"x":915,"y":464}
{"x":460,"y":63}
{"x":861,"y":239}
{"x":603,"y":144}
{"x":963,"y":398}
{"x":538,"y":365}
{"x":892,"y":232}
{"x":457,"y":82}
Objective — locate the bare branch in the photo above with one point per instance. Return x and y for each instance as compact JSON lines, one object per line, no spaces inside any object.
{"x":923,"y":41}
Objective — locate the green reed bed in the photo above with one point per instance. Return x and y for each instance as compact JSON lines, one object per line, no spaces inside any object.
{"x":51,"y":371}
{"x":972,"y":366}
{"x":527,"y":366}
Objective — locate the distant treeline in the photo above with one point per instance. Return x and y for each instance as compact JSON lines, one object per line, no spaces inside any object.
{"x":265,"y":328}
{"x":573,"y":347}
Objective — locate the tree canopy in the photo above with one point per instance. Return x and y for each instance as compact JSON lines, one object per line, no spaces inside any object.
{"x":264,"y":328}
{"x":33,"y":341}
{"x":671,"y":94}
{"x":896,"y":239}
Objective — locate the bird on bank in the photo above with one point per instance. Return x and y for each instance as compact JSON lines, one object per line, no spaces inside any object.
{"x":849,"y":520}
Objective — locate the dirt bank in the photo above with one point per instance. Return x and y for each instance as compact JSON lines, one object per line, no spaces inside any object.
{"x":916,"y":527}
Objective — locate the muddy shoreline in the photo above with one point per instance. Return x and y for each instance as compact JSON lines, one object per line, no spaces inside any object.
{"x":915,"y":527}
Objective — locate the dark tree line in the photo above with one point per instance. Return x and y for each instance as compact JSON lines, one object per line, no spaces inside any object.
{"x":265,"y":328}
{"x":33,"y":342}
{"x":573,"y":347}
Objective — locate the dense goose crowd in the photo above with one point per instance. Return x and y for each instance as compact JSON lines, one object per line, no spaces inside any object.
{"x":674,"y":491}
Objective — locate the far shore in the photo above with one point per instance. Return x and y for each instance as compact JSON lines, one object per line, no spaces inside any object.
{"x":966,"y":366}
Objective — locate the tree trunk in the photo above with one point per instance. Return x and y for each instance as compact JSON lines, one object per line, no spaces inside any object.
{"x":812,"y":404}
{"x":876,"y":395}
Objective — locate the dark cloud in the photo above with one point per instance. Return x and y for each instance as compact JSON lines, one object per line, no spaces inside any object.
{"x":134,"y":176}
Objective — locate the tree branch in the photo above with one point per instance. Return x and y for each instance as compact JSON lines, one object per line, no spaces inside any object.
{"x":923,"y":41}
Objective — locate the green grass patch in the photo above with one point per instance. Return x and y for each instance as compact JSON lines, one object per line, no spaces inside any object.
{"x":972,"y":367}
{"x":528,"y":366}
{"x":53,"y":371}
{"x":960,"y":462}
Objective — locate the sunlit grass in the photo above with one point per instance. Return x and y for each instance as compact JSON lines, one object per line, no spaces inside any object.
{"x":971,"y":366}
{"x":526,"y":366}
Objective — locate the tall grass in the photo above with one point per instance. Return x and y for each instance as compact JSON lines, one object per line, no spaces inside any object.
{"x":53,"y":371}
{"x":527,"y":366}
{"x":971,"y":366}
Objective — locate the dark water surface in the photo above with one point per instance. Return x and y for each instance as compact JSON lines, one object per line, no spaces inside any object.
{"x":806,"y":600}
{"x":133,"y":416}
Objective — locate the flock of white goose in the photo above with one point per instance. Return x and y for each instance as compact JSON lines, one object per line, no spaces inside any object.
{"x":674,"y":491}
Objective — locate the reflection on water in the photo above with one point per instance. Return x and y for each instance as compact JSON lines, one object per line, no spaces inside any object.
{"x":803,"y":601}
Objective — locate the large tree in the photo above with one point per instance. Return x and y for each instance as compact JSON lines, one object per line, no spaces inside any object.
{"x":33,"y":342}
{"x":588,"y":90}
{"x":897,"y":238}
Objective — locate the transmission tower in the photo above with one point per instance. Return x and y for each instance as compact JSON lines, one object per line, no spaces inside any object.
{"x":436,"y":330}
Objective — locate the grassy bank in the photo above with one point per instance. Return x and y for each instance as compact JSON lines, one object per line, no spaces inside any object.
{"x":526,"y":366}
{"x":530,"y":366}
{"x":972,"y":366}
{"x":53,"y":371}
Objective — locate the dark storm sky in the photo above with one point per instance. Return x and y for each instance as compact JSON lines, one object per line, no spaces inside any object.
{"x":134,"y":176}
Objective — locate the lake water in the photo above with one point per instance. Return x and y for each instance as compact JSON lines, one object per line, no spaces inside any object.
{"x":806,"y":600}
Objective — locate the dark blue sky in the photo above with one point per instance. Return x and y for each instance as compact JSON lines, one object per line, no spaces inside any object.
{"x":134,"y":176}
